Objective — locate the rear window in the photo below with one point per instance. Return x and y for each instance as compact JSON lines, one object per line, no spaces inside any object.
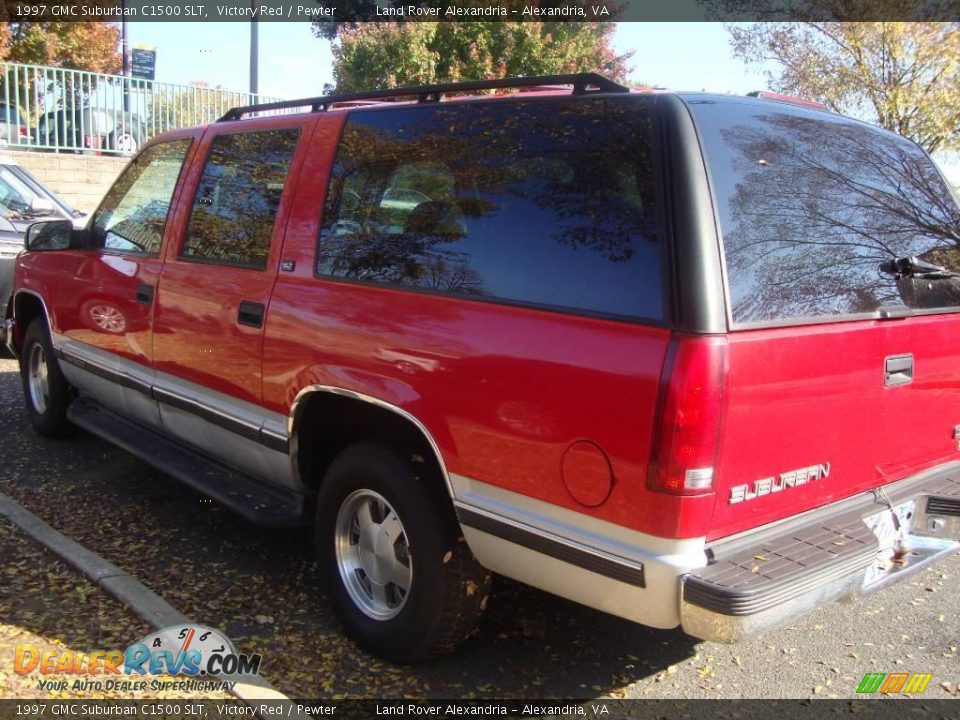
{"x":545,"y":203}
{"x":810,"y":207}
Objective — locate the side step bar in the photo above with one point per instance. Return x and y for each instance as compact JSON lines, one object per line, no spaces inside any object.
{"x":257,"y":501}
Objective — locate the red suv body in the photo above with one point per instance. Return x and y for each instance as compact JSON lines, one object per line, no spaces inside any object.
{"x":684,"y":358}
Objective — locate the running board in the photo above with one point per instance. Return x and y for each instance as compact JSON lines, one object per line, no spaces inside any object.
{"x":259,"y":502}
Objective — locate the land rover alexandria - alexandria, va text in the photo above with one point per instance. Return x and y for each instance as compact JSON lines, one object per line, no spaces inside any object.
{"x":688,"y":359}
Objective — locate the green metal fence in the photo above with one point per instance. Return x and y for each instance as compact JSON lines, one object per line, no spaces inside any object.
{"x":63,"y":110}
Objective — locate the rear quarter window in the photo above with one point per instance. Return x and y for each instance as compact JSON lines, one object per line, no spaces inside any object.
{"x":810,"y":205}
{"x":550,"y":204}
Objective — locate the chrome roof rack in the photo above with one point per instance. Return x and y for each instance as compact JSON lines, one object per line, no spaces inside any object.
{"x":582,"y":83}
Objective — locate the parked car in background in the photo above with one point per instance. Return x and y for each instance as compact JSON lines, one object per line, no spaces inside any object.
{"x":24,"y":200}
{"x":13,"y":128}
{"x":92,"y":129}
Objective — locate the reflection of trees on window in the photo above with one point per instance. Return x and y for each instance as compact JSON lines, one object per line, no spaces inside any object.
{"x":544,"y":202}
{"x":810,"y":207}
{"x":238,"y":196}
{"x":133,"y":214}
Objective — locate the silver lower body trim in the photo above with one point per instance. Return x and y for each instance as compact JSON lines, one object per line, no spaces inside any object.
{"x":568,"y":553}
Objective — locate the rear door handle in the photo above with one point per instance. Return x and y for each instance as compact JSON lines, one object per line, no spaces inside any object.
{"x":144,"y":294}
{"x":250,"y":313}
{"x":897,"y":370}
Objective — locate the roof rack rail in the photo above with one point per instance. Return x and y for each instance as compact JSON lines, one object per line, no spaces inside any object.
{"x":581,"y":82}
{"x":788,"y":99}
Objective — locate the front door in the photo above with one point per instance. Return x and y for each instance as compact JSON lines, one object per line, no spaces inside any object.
{"x":215,"y":287}
{"x":104,"y":311}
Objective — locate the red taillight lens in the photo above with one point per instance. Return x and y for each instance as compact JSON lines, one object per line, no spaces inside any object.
{"x":688,"y":419}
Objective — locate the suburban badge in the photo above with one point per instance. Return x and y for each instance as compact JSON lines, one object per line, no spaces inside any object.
{"x":769,"y":485}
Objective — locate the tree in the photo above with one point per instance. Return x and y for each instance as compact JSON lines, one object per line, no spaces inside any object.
{"x":372,"y":55}
{"x":91,"y":46}
{"x":904,"y":76}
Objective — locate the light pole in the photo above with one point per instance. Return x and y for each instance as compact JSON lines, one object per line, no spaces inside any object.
{"x":254,"y":51}
{"x":125,"y":50}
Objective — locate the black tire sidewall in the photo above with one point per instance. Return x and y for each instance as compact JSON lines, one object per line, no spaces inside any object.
{"x":53,"y":421}
{"x":430,"y":535}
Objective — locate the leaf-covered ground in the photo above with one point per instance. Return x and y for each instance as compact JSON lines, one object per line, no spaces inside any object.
{"x":48,"y":605}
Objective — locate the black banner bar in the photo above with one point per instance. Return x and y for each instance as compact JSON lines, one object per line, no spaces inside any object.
{"x":351,"y":11}
{"x":892,"y":708}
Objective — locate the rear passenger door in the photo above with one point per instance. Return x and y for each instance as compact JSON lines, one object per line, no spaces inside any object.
{"x":216,"y":284}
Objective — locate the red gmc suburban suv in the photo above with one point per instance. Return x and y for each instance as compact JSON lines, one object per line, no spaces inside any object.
{"x":688,"y":359}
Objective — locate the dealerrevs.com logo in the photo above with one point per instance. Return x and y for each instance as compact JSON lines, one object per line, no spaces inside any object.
{"x":199,"y":653}
{"x":894,"y":683}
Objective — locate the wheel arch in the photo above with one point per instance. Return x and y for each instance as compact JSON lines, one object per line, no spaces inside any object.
{"x":336,"y":417}
{"x":27,"y":305}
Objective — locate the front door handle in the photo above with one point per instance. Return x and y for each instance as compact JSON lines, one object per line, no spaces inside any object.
{"x":144,"y":294}
{"x":250,"y":313}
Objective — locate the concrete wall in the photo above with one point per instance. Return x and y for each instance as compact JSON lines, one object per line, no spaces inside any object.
{"x":81,"y":180}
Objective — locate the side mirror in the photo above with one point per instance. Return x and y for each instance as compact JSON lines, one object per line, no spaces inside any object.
{"x":52,"y":235}
{"x":41,"y":207}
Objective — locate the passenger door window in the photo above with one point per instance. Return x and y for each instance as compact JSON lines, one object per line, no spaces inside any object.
{"x":132,"y":216}
{"x":238,"y":196}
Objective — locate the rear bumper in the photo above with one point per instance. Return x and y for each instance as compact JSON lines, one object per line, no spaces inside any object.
{"x":763,"y":578}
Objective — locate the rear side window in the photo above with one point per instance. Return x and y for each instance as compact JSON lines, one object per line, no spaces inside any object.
{"x":810,"y":206}
{"x":238,"y":196}
{"x":547,"y":203}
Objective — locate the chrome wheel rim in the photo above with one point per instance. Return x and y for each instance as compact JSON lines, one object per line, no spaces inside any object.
{"x":373,"y":554}
{"x":108,"y":318}
{"x":38,"y":378}
{"x":126,"y":144}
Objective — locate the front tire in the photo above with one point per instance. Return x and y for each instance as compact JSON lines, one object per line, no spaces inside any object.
{"x":399,"y":575}
{"x":45,"y":390}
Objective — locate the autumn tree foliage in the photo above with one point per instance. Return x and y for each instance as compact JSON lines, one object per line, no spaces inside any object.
{"x":92,"y":46}
{"x":904,"y":76}
{"x":389,"y":54}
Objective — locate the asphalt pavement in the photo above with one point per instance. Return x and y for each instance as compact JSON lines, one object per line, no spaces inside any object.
{"x":260,"y":586}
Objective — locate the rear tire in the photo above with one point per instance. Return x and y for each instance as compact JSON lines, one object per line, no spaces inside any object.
{"x":399,"y":575}
{"x":46,"y":392}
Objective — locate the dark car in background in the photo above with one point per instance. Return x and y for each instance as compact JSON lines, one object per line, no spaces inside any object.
{"x":24,"y":200}
{"x":92,"y":129}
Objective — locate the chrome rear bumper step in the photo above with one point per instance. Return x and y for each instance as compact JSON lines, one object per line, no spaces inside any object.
{"x":763,"y":578}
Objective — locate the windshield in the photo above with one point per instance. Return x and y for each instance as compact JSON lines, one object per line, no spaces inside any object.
{"x":811,"y":206}
{"x":15,"y":195}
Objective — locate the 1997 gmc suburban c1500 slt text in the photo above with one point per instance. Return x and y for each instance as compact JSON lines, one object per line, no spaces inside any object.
{"x":688,"y":359}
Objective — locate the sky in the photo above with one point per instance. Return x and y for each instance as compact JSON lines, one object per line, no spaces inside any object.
{"x":293,"y":63}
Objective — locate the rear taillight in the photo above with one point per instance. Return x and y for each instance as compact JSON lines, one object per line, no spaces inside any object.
{"x":689,"y":415}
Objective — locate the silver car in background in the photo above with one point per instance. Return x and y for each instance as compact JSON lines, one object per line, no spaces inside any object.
{"x":24,"y":200}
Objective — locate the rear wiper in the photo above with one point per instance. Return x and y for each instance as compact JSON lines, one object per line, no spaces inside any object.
{"x":912,"y":266}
